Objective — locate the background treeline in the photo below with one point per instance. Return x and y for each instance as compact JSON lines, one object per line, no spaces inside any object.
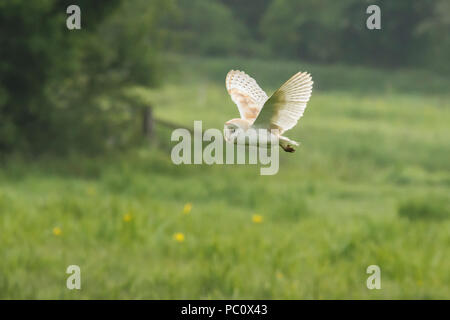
{"x":63,"y":91}
{"x":414,"y":33}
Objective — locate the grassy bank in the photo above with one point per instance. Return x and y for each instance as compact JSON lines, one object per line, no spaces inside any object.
{"x":374,"y":159}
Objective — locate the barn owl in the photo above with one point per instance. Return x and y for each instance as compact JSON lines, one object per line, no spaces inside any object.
{"x":278,"y":113}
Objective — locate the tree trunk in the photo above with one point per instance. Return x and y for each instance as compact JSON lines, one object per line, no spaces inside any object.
{"x":147,"y":122}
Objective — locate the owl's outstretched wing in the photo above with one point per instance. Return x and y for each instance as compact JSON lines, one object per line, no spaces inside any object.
{"x":287,"y":104}
{"x":246,"y":93}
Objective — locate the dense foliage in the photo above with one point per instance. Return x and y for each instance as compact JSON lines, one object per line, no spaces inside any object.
{"x":335,"y":31}
{"x":61,"y":90}
{"x":413,"y":33}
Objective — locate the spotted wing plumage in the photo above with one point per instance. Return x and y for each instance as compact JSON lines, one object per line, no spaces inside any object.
{"x":245,"y":93}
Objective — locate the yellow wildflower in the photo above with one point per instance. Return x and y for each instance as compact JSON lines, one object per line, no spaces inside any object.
{"x":179,"y":237}
{"x":57,"y":231}
{"x":187,"y":208}
{"x":256,"y":218}
{"x":127,"y":217}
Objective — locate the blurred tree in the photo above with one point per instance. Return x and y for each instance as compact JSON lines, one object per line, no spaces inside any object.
{"x":35,"y":49}
{"x":396,"y":44}
{"x":250,"y":12}
{"x":335,"y":31}
{"x":435,"y":28}
{"x":56,"y":85}
{"x":207,"y":27}
{"x":308,"y":29}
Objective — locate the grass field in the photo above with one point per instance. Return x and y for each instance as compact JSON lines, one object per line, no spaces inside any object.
{"x":370,"y":184}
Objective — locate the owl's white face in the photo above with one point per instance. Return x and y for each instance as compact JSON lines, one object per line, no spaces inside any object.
{"x":231,"y":132}
{"x":234,"y":128}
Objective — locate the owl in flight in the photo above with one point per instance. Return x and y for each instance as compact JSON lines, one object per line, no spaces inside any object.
{"x":279,"y":112}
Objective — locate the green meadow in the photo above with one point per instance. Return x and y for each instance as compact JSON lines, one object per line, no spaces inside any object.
{"x":369,"y":185}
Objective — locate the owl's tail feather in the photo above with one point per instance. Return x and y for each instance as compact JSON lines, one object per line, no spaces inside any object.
{"x":288,"y":145}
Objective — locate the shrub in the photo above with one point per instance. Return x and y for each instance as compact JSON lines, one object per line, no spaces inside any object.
{"x":433,"y":208}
